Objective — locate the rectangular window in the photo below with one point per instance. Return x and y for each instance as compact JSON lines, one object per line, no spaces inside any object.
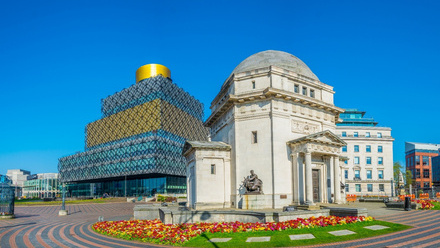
{"x":305,"y":91}
{"x":344,"y":149}
{"x":426,"y":185}
{"x":379,"y":149}
{"x":368,"y":160}
{"x":344,"y":134}
{"x":357,"y":174}
{"x":425,"y":173}
{"x":345,"y":161}
{"x":356,"y":160}
{"x":381,"y":188}
{"x":417,"y":184}
{"x":368,"y":148}
{"x":425,"y":160}
{"x":380,"y":174}
{"x":254,"y":137}
{"x":358,"y":188}
{"x":296,"y":88}
{"x":253,"y":84}
{"x":379,"y":135}
{"x":417,"y":173}
{"x":213,"y":169}
{"x":417,"y":160}
{"x":379,"y":160}
{"x":346,"y":174}
{"x":355,"y":134}
{"x":356,"y":148}
{"x":347,"y":188}
{"x":312,"y":93}
{"x":370,"y":187}
{"x":369,"y":174}
{"x":367,"y":134}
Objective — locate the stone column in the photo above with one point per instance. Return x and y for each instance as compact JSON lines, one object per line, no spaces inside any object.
{"x":295,"y":177}
{"x":309,"y":181}
{"x":337,"y":180}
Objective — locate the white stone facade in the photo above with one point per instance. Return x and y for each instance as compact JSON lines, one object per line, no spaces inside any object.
{"x":369,"y":168}
{"x":263,"y":111}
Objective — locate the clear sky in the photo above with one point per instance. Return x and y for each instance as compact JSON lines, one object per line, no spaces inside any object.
{"x":58,"y":59}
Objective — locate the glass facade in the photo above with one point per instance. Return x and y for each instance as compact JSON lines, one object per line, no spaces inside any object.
{"x":131,"y":187}
{"x":135,"y":149}
{"x":42,"y":188}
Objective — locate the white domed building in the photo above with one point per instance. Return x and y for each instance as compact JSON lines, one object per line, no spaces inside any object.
{"x":273,"y":116}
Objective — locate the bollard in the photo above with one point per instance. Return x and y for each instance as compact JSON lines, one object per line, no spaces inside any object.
{"x":407,"y":203}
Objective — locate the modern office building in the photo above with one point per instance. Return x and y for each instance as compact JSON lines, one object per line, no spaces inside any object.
{"x":419,"y":161}
{"x":45,"y":185}
{"x":18,"y":177}
{"x":369,"y":149}
{"x":136,"y":147}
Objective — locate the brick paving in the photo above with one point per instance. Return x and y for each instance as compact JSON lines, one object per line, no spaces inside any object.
{"x":40,"y":226}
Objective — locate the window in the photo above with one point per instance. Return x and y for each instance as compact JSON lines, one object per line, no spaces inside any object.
{"x":253,"y":84}
{"x":380,"y":174}
{"x":344,"y":134}
{"x":305,"y":91}
{"x":368,"y":160}
{"x":367,"y":134}
{"x":344,"y":149}
{"x":356,"y":148}
{"x":346,"y":174}
{"x":426,"y":185}
{"x":381,"y":188}
{"x":379,"y":149}
{"x":358,"y":188}
{"x":369,"y":174}
{"x":312,"y":93}
{"x":296,"y":88}
{"x":357,"y":174}
{"x":347,"y":188}
{"x":425,"y":173}
{"x":346,"y":161}
{"x":417,"y":173}
{"x":356,"y":160}
{"x":379,"y":135}
{"x":368,"y":148}
{"x":370,"y":187}
{"x":355,"y":134}
{"x":213,"y":169}
{"x":425,"y":160}
{"x":418,"y":184}
{"x":379,"y":160}
{"x":254,"y":137}
{"x":417,"y":160}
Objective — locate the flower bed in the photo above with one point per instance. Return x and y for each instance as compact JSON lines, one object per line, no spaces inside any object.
{"x":426,"y":204}
{"x":155,"y":231}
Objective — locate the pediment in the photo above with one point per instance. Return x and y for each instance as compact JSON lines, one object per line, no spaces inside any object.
{"x":324,"y":137}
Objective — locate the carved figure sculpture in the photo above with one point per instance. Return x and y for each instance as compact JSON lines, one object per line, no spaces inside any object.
{"x":253,"y":184}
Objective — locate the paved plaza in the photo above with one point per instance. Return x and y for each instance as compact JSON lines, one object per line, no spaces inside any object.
{"x":40,"y":226}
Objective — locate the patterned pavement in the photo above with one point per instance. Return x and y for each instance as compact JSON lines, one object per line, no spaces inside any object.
{"x":40,"y":226}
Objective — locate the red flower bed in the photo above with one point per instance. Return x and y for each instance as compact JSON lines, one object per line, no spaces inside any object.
{"x":426,"y":204}
{"x":155,"y":231}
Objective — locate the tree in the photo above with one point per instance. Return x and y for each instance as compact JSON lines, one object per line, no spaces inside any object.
{"x":397,"y":168}
{"x":408,"y":178}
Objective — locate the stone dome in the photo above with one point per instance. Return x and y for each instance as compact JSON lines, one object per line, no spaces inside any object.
{"x":277,"y":58}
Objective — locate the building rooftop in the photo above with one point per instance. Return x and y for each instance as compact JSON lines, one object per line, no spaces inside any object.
{"x":409,"y":146}
{"x":276,"y":58}
{"x":354,"y":117}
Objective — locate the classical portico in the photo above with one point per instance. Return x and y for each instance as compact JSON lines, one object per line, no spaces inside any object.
{"x":316,"y":170}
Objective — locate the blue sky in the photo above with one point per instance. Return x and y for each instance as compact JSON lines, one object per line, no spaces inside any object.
{"x":58,"y":59}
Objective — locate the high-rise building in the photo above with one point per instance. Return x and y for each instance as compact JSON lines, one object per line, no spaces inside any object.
{"x":369,"y":149}
{"x":418,"y":161}
{"x":136,"y":147}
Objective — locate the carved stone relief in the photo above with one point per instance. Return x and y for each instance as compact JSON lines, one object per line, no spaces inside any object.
{"x":304,"y":127}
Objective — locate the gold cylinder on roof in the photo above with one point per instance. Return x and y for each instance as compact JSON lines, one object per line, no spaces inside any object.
{"x":152,"y":70}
